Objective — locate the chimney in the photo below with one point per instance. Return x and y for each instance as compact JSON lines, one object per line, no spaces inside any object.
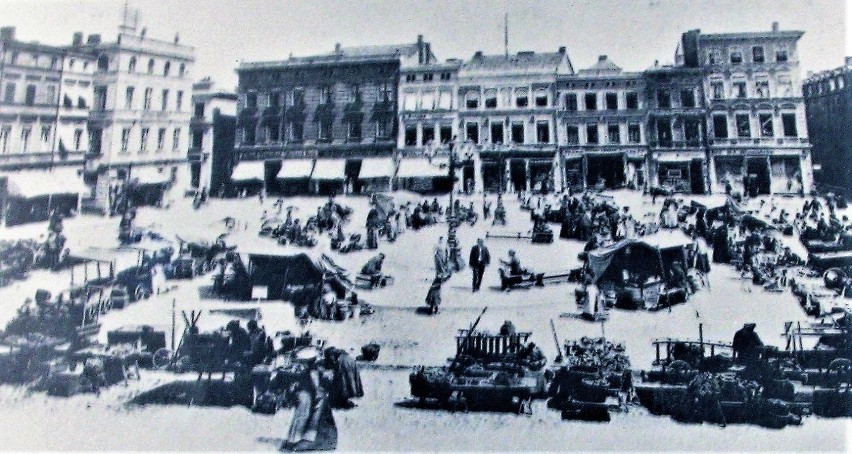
{"x":77,"y":39}
{"x":337,"y":48}
{"x":848,"y":61}
{"x":656,"y":63}
{"x":421,"y":50}
{"x":94,"y":39}
{"x":7,"y":33}
{"x":177,"y":38}
{"x":478,"y":54}
{"x":561,"y":49}
{"x":601,"y":58}
{"x":143,"y":32}
{"x":775,"y":26}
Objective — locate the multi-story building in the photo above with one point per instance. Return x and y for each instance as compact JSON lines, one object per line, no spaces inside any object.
{"x":507,"y":115}
{"x":600,"y":126}
{"x":139,"y":122}
{"x":324,"y":123}
{"x":756,"y":126}
{"x":211,"y":147}
{"x":677,"y":151}
{"x":828,"y":103}
{"x":46,"y":94}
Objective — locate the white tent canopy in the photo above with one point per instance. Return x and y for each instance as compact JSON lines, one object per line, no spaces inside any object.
{"x":329,"y":169}
{"x":377,"y":168}
{"x":150,"y":175}
{"x":248,"y":171}
{"x":38,"y":183}
{"x":422,"y":168}
{"x":296,"y":168}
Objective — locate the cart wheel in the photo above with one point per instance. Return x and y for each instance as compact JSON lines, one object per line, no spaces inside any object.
{"x":162,"y":357}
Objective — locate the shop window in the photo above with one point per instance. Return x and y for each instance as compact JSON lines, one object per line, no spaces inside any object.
{"x":743,"y":125}
{"x":765,"y":120}
{"x":592,"y":134}
{"x":720,"y":126}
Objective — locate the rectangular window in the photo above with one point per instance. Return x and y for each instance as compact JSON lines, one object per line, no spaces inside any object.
{"x":411,"y":136}
{"x":143,"y":140}
{"x":471,"y":131}
{"x":199,"y":110}
{"x":491,"y":99}
{"x":161,"y":139}
{"x":717,"y":88}
{"x":25,"y":138}
{"x":446,"y":133}
{"x":50,"y":97}
{"x":164,"y":105}
{"x":125,"y":139}
{"x":736,"y":57}
{"x":428,"y":77}
{"x":743,"y":125}
{"x":274,"y":99}
{"x":326,"y":96}
{"x":428,"y":134}
{"x":613,"y":134}
{"x":632,"y":99}
{"x":497,"y":132}
{"x":692,"y":131}
{"x":383,"y":129}
{"x":591,"y":101}
{"x":687,"y":98}
{"x":789,"y":122}
{"x":592,"y":133}
{"x":179,"y":101}
{"x":410,"y":77}
{"x":521,"y":98}
{"x":445,"y":76}
{"x":571,"y":101}
{"x":720,"y":126}
{"x":296,"y":132}
{"x":45,"y":134}
{"x":297,"y":97}
{"x":78,"y":138}
{"x":324,"y":131}
{"x":757,"y":54}
{"x":445,"y":100}
{"x":355,"y":93}
{"x":634,"y":133}
{"x":100,"y":98}
{"x":612,"y":101}
{"x":409,"y":102}
{"x":353,"y":129}
{"x":541,"y":98}
{"x":765,"y":120}
{"x":781,"y":55}
{"x":664,"y":132}
{"x":785,"y":86}
{"x":740,"y":90}
{"x":9,"y":95}
{"x":427,"y":100}
{"x":146,"y":102}
{"x":572,"y":135}
{"x":5,"y":133}
{"x":128,"y":98}
{"x":251,"y":100}
{"x":518,"y":132}
{"x":30,"y":96}
{"x":663,"y":99}
{"x":542,"y":131}
{"x":471,"y":100}
{"x":761,"y":88}
{"x":197,"y":139}
{"x":385,"y":92}
{"x":175,"y":139}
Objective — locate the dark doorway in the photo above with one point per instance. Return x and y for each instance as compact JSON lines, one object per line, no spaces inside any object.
{"x":610,"y":168}
{"x":194,"y":174}
{"x":492,"y":176}
{"x":351,"y":170}
{"x":468,"y":177}
{"x":518,"y":175}
{"x":696,"y":171}
{"x":757,"y":177}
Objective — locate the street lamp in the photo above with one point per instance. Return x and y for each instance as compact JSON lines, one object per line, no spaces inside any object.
{"x":455,"y":256}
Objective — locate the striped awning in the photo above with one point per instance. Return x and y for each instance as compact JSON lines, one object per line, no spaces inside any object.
{"x":329,"y":169}
{"x":377,"y":168}
{"x":249,"y":171}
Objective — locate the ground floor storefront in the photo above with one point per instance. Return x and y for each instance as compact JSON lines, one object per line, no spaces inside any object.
{"x":31,"y":195}
{"x":758,"y":174}
{"x":508,"y":172}
{"x":683,"y":172}
{"x":112,"y":189}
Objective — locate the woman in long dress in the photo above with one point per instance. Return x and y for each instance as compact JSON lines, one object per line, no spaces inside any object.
{"x":312,"y":427}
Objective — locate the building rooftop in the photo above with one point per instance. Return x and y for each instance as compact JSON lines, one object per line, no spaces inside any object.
{"x":526,"y":61}
{"x":604,"y":66}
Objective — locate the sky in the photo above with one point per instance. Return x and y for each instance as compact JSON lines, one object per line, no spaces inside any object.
{"x":633,"y":33}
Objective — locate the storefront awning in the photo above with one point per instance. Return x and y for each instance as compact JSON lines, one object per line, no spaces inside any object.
{"x":38,"y":183}
{"x":296,"y":168}
{"x":249,"y":171}
{"x":422,"y":168}
{"x":150,"y":175}
{"x":329,"y":169}
{"x":376,"y":168}
{"x":673,"y":158}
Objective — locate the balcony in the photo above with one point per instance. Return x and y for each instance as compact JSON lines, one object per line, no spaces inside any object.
{"x":760,"y":141}
{"x":696,"y":143}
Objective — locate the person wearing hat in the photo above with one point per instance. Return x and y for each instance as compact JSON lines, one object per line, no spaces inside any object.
{"x":746,"y":344}
{"x":513,"y":264}
{"x":312,"y":427}
{"x":508,"y":328}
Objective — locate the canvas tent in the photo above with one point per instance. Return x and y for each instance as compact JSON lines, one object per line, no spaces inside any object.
{"x":638,"y":259}
{"x":283,"y":274}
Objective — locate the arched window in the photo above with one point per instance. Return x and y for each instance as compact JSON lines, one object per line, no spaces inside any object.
{"x":151,"y":66}
{"x":103,"y":63}
{"x":132,"y":66}
{"x":166,"y":68}
{"x":182,"y":69}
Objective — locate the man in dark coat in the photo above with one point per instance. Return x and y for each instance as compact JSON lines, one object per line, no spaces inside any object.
{"x":746,"y":344}
{"x":373,"y":269}
{"x":346,"y":384}
{"x":239,"y":341}
{"x":479,"y":260}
